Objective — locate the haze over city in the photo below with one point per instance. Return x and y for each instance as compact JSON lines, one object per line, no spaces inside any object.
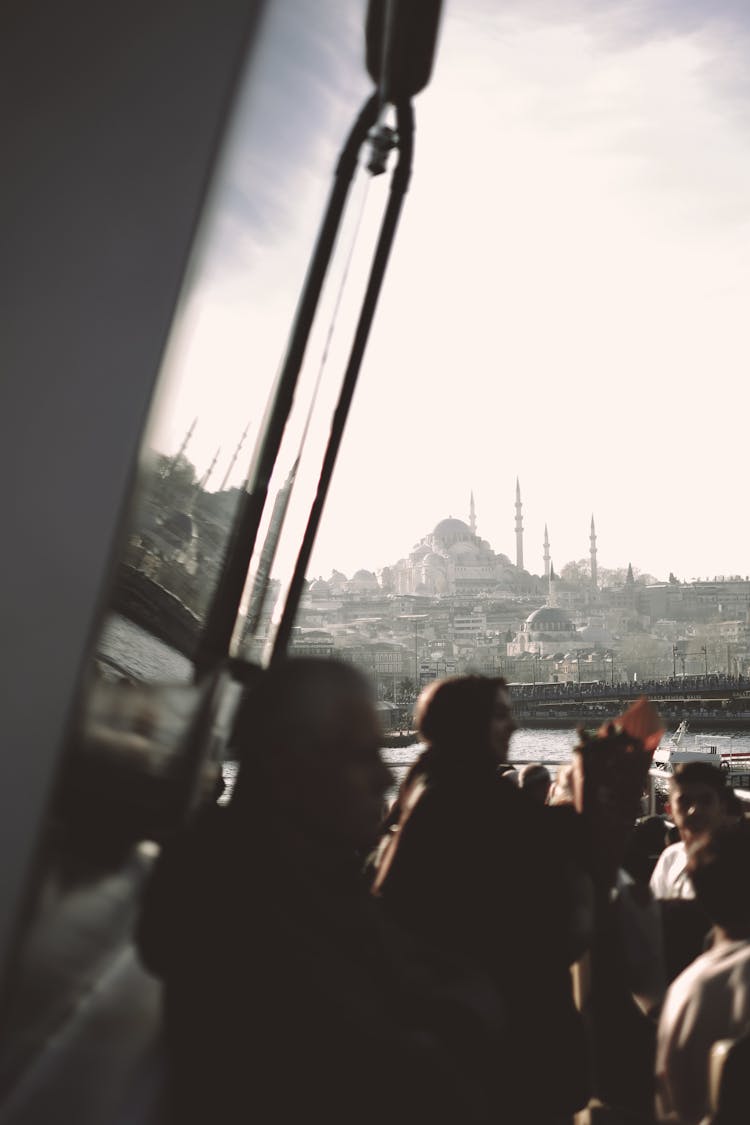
{"x":566,"y":301}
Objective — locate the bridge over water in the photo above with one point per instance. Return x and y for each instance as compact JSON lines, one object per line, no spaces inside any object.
{"x":712,"y":702}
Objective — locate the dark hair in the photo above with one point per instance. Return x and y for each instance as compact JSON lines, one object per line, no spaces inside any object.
{"x":719,"y":867}
{"x":647,"y":841}
{"x":698,"y":773}
{"x":534,"y":774}
{"x":454,"y":714}
{"x":278,"y":707}
{"x":733,"y":806}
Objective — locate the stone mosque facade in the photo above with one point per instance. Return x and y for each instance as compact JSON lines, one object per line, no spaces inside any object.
{"x":453,"y":559}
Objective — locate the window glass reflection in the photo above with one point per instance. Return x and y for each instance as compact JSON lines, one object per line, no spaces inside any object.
{"x":305,"y":81}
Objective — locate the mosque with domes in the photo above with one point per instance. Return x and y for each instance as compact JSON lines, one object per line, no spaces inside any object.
{"x":454,"y":559}
{"x":546,"y":631}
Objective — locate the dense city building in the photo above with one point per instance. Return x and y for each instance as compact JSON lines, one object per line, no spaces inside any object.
{"x":452,"y":604}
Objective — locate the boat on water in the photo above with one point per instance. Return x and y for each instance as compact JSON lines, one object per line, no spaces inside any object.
{"x":716,"y":749}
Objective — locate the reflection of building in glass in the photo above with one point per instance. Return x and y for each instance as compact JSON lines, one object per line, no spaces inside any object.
{"x":178,"y":534}
{"x":170,"y":537}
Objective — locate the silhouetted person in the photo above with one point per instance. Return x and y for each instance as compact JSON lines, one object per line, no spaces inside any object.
{"x":287,"y":998}
{"x":647,"y":841}
{"x":561,"y":790}
{"x":696,"y":794}
{"x":710,"y":1000}
{"x":479,"y":869}
{"x":698,"y":806}
{"x":535,"y":780}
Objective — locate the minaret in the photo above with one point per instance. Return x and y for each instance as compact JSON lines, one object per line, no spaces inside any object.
{"x":592,"y":539}
{"x":519,"y":528}
{"x":185,"y":440}
{"x":552,"y":595}
{"x":201,"y":485}
{"x":235,"y":455}
{"x":170,"y":466}
{"x":209,"y":472}
{"x":546,"y":553}
{"x":472,"y":516}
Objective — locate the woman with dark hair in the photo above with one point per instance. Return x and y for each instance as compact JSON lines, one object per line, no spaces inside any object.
{"x":464,"y":720}
{"x":481,"y":872}
{"x":467,"y":715}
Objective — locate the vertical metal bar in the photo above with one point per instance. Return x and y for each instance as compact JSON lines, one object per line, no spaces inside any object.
{"x":399,"y":186}
{"x":222,"y":614}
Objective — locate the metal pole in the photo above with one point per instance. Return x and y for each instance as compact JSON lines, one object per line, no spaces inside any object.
{"x":399,"y":186}
{"x":222,"y":613}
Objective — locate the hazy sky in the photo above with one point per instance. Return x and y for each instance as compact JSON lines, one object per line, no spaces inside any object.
{"x":567,"y":300}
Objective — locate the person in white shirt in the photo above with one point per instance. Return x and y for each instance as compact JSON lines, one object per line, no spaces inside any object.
{"x":710,"y":1000}
{"x":697,"y":808}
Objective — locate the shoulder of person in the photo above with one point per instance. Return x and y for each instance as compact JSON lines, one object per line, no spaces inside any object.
{"x":670,"y":857}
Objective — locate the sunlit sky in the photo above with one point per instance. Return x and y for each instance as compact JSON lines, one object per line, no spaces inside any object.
{"x":566,"y":302}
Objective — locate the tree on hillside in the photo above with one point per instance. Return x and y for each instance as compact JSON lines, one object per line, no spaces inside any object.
{"x":625,"y":575}
{"x":645,"y":654}
{"x":576,"y":573}
{"x":167,"y":482}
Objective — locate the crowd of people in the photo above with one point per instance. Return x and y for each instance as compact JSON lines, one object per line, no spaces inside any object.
{"x":493,"y":948}
{"x":593,"y":689}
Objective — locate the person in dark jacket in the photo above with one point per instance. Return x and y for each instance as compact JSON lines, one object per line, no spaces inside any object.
{"x":288,"y":997}
{"x":477,"y":867}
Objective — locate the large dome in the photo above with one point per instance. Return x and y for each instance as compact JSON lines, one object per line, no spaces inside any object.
{"x":464,"y":551}
{"x":319,"y":588}
{"x":548,"y":617}
{"x":451,"y":530}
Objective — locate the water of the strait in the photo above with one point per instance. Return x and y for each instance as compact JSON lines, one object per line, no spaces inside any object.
{"x":144,"y":657}
{"x":549,"y":746}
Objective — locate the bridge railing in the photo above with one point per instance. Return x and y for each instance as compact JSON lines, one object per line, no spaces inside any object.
{"x":711,"y":687}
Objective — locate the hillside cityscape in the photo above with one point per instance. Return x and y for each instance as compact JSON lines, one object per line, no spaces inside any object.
{"x":451,"y":604}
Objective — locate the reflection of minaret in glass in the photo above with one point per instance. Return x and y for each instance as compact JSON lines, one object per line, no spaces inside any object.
{"x":472,"y":516}
{"x":546,"y":552}
{"x":519,"y":528}
{"x":170,"y":466}
{"x":180,"y":452}
{"x":235,"y":455}
{"x":201,"y":484}
{"x":592,"y":538}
